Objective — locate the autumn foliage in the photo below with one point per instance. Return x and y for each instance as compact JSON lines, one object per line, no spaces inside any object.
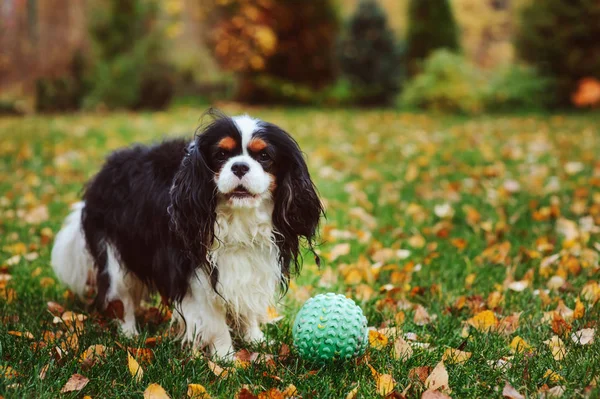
{"x":285,"y":40}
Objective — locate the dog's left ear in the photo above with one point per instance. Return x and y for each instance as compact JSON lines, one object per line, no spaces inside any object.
{"x":297,"y":211}
{"x":193,"y":206}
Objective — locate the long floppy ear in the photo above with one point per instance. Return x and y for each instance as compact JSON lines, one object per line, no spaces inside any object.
{"x":297,"y":211}
{"x":193,"y":205}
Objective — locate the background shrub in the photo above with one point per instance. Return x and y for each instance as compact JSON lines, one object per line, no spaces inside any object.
{"x":369,"y":56}
{"x":126,"y":56}
{"x":284,"y":40}
{"x":64,"y":93}
{"x":516,"y":87}
{"x":562,"y":40}
{"x":431,"y":26}
{"x":448,"y":83}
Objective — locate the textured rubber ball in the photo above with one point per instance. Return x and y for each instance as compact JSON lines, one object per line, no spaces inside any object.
{"x":330,"y":327}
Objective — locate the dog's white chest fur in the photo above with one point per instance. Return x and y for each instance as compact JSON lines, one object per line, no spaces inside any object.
{"x":246,"y":258}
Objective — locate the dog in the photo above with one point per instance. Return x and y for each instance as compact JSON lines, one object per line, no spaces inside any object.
{"x":215,"y":226}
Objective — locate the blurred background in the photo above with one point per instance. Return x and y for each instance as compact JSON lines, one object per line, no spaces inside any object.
{"x":459,"y":56}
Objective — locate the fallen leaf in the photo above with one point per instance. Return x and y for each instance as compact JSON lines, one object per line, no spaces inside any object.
{"x":519,"y":345}
{"x":557,"y":347}
{"x":420,"y":373}
{"x":272,"y":393}
{"x":484,"y":321}
{"x":338,"y":250}
{"x":438,"y":378}
{"x":155,"y":391}
{"x":8,"y":372}
{"x":377,"y":340}
{"x":92,"y":355}
{"x":290,"y":391}
{"x":511,"y":393}
{"x":553,"y":376}
{"x":584,"y":337}
{"x":55,"y":308}
{"x":217,"y":370}
{"x":44,"y":371}
{"x":452,"y":355}
{"x":432,"y":394}
{"x":76,"y":383}
{"x":518,"y":286}
{"x":25,"y":334}
{"x":421,"y":317}
{"x":352,"y":394}
{"x":135,"y":369}
{"x":245,"y":393}
{"x":197,"y":391}
{"x":272,"y":315}
{"x":402,"y":350}
{"x":385,"y":384}
{"x":579,"y":310}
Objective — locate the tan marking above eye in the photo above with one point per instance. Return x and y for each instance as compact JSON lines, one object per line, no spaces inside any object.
{"x":257,"y":145}
{"x":227,"y":143}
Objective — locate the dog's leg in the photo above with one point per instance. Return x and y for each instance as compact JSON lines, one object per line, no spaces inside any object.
{"x":202,"y":321}
{"x":126,"y":288}
{"x":252,"y":332}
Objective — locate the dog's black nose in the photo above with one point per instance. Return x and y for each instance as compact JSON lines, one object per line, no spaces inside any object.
{"x":240,"y":168}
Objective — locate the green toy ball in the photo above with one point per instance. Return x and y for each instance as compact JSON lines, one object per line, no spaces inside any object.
{"x":330,"y":327}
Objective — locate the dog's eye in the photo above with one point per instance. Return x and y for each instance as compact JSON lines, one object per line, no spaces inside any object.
{"x":263,"y":156}
{"x":221,"y":155}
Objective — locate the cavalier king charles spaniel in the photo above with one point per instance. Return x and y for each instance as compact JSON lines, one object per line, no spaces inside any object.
{"x":214,"y":226}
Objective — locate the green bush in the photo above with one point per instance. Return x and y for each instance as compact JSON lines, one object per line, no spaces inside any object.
{"x":64,"y":93}
{"x":448,"y":83}
{"x":562,"y":40}
{"x":369,"y":56}
{"x":285,"y":40}
{"x":431,"y":26}
{"x":516,"y":87}
{"x":126,"y":56}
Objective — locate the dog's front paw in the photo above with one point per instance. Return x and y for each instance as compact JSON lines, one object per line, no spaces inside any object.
{"x":254,"y":335}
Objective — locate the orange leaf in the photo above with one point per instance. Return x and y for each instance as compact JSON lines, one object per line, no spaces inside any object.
{"x":377,"y":340}
{"x":197,"y":391}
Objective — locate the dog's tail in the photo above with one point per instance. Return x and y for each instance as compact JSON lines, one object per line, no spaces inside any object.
{"x":71,"y":260}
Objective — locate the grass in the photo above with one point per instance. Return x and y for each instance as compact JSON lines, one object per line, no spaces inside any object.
{"x":521,"y":181}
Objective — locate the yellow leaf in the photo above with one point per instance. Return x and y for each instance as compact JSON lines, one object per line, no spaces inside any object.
{"x":469,"y":280}
{"x":290,"y":391}
{"x":553,"y":376}
{"x":519,"y":345}
{"x":272,"y":315}
{"x":352,"y":394}
{"x":197,"y":391}
{"x":135,"y":369}
{"x":218,"y":370}
{"x":452,"y":355}
{"x":155,"y":391}
{"x":377,"y":340}
{"x":353,"y":277}
{"x":438,"y":379}
{"x":385,"y":384}
{"x":484,"y":321}
{"x":579,"y":310}
{"x":557,"y":347}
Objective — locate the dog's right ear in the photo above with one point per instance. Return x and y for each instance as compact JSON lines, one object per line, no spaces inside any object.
{"x":193,"y":204}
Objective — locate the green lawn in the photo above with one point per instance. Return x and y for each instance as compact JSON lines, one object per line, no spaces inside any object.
{"x":430,"y":221}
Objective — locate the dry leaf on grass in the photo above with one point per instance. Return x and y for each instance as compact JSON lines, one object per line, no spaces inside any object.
{"x":92,"y":355}
{"x":511,"y":393}
{"x":432,"y":394}
{"x":584,"y":337}
{"x":438,"y":379}
{"x":155,"y":391}
{"x":377,"y":340}
{"x":245,"y":393}
{"x":197,"y":391}
{"x":76,"y":383}
{"x":421,"y":317}
{"x":135,"y":369}
{"x":44,"y":371}
{"x":402,"y":350}
{"x":352,"y":394}
{"x":484,"y":321}
{"x":385,"y":384}
{"x":452,"y":355}
{"x":519,"y":345}
{"x":218,"y":370}
{"x":557,"y":347}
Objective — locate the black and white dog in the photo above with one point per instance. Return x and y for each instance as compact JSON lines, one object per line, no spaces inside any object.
{"x":214,"y":225}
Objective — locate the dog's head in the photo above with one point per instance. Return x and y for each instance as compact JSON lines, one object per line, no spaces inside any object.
{"x":241,"y":162}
